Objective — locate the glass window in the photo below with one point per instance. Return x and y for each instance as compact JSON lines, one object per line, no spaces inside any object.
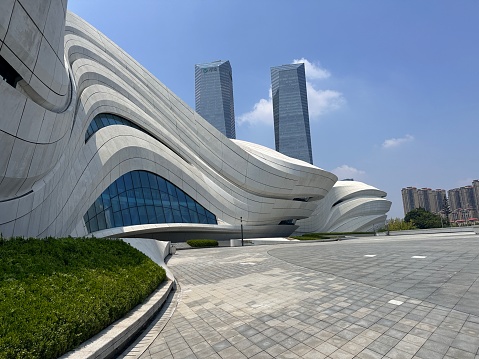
{"x":106,"y":200}
{"x":131,"y":198}
{"x":88,"y":228}
{"x":135,"y":218}
{"x":165,"y":199}
{"x":120,"y":183}
{"x":147,"y":196}
{"x":94,"y":224}
{"x":136,"y":179}
{"x":101,"y":221}
{"x":128,"y":181}
{"x":152,"y":180}
{"x":177,"y":216}
{"x":185,"y":216}
{"x":162,"y":184}
{"x":140,"y":200}
{"x":118,"y":219}
{"x":123,"y":201}
{"x":91,"y":212}
{"x":144,"y":179}
{"x":168,"y":215}
{"x":99,"y":205}
{"x":181,"y":197}
{"x":194,"y":217}
{"x":98,"y":123}
{"x":174,"y":203}
{"x":141,"y":197}
{"x":113,"y":190}
{"x":125,"y":215}
{"x":171,"y":189}
{"x":110,"y":221}
{"x":191,"y":203}
{"x":143,"y":215}
{"x":150,"y":210}
{"x":160,"y":216}
{"x":156,"y":196}
{"x":105,"y":121}
{"x":200,"y":209}
{"x":115,"y":204}
{"x":94,"y":126}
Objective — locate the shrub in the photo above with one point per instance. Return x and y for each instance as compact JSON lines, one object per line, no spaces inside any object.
{"x":57,"y":293}
{"x":202,"y":243}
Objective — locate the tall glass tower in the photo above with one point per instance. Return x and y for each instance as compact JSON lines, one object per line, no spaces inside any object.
{"x":214,"y":95}
{"x":290,"y":110}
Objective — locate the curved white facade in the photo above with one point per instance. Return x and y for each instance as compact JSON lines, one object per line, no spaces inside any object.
{"x":349,"y":206}
{"x":50,"y":176}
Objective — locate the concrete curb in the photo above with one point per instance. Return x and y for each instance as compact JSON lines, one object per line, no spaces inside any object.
{"x":111,"y":341}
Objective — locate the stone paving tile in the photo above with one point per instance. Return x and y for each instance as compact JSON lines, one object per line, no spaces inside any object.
{"x":324,"y":300}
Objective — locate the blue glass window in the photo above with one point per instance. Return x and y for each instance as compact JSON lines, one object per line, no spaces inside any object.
{"x":105,"y":119}
{"x":141,"y":197}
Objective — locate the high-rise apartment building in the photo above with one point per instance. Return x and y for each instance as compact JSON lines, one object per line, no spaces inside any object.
{"x":423,"y":198}
{"x":409,"y":199}
{"x":214,"y":95}
{"x":475,"y":186}
{"x":427,"y":198}
{"x":463,"y":202}
{"x":436,"y":200}
{"x":454,"y":199}
{"x":290,"y":110}
{"x":467,"y":197}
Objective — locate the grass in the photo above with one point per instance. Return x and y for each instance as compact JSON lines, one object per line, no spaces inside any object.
{"x":57,"y":293}
{"x":200,"y":243}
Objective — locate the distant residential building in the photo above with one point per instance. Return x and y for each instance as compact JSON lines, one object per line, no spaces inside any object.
{"x":436,"y":200}
{"x":454,"y":199}
{"x":290,"y":111}
{"x":467,"y":197}
{"x":214,"y":95}
{"x":423,"y":198}
{"x":463,"y":202}
{"x":409,"y":199}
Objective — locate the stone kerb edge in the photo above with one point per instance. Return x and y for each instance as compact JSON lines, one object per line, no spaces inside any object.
{"x":106,"y":343}
{"x":111,"y":340}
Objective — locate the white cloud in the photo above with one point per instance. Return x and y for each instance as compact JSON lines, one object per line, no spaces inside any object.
{"x":322,"y":101}
{"x":313,"y":70}
{"x":262,"y":112}
{"x":346,"y":171}
{"x":395,"y":142}
{"x":319,"y":101}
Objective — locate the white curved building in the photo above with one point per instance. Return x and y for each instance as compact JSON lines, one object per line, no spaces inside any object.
{"x":91,"y":142}
{"x":349,"y":206}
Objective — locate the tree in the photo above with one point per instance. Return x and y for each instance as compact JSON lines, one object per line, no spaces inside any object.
{"x":397,"y":224}
{"x":423,"y":219}
{"x":446,"y":210}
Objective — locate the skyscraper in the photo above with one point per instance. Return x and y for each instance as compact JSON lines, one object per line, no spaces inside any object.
{"x":214,"y":95}
{"x":290,"y":110}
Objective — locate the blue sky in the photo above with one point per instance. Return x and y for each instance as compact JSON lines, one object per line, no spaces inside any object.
{"x":392,"y":85}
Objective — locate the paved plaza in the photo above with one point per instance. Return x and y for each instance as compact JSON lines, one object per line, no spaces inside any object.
{"x":378,"y":297}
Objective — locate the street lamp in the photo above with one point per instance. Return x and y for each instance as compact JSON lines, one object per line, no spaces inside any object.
{"x":242,"y":238}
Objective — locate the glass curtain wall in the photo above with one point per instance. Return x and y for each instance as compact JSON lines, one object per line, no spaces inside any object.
{"x":141,"y":197}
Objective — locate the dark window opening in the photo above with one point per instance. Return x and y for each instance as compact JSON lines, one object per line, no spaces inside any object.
{"x":8,"y":73}
{"x":288,"y":222}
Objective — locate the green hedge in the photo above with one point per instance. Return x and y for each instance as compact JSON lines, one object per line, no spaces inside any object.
{"x":202,"y":243}
{"x":57,"y":293}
